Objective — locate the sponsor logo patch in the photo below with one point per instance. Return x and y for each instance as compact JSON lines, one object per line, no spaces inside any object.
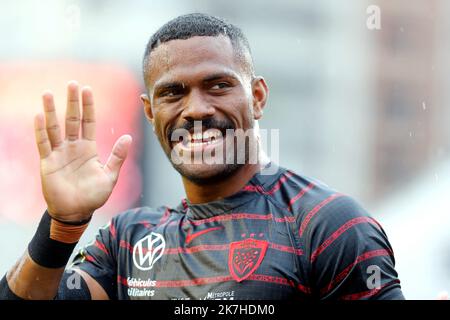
{"x":138,"y":287}
{"x":148,"y":250}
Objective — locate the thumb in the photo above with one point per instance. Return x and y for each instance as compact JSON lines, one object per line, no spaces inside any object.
{"x":117,"y":156}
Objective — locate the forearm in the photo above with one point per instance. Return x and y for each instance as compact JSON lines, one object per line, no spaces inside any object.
{"x":28,"y":280}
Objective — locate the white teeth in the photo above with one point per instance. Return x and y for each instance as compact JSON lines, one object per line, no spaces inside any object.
{"x":196,"y":136}
{"x":198,"y":143}
{"x":206,"y":135}
{"x":204,"y":138}
{"x":211,"y":134}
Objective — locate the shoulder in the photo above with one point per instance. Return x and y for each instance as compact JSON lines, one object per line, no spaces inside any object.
{"x":339,"y":223}
{"x":300,"y":193}
{"x":320,"y":209}
{"x":331,"y":212}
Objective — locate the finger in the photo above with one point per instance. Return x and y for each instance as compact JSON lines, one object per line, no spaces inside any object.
{"x":88,"y":120}
{"x":42,"y":141}
{"x":72,"y":112}
{"x":117,"y":156}
{"x":51,"y":121}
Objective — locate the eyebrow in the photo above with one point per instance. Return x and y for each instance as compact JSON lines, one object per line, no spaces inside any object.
{"x":212,"y":77}
{"x":167,"y":85}
{"x":220,"y":75}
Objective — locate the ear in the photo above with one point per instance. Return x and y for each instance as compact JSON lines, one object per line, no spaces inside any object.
{"x":147,"y":107}
{"x":260,"y":92}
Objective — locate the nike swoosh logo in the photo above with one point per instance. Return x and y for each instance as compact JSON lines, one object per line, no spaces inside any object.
{"x":191,"y":237}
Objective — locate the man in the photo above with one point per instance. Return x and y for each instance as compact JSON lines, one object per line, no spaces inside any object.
{"x":239,"y":234}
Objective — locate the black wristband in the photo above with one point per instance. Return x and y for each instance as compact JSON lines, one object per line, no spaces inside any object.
{"x":5,"y":292}
{"x":47,"y":252}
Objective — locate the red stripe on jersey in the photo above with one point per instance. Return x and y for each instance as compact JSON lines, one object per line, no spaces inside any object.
{"x":223,"y":247}
{"x":315,"y":210}
{"x":304,"y":289}
{"x":338,"y":233}
{"x":299,"y":195}
{"x":240,"y":216}
{"x":275,"y":188}
{"x":122,"y":280}
{"x":191,"y":282}
{"x":285,"y":219}
{"x":368,"y":293}
{"x":89,"y":258}
{"x":125,"y":244}
{"x":289,"y":249}
{"x":365,"y":256}
{"x":146,"y":224}
{"x":271,"y":279}
{"x":101,"y":246}
{"x":233,"y":216}
{"x":211,"y":247}
{"x":165,"y":216}
{"x":112,"y":229}
{"x":203,"y":247}
{"x":207,"y":280}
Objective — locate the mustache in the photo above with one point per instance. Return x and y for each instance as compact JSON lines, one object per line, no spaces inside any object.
{"x":210,"y":123}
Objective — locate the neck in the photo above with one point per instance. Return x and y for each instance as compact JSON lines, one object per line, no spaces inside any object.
{"x":199,"y":193}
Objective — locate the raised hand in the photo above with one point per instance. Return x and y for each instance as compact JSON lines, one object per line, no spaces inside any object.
{"x":74,"y":181}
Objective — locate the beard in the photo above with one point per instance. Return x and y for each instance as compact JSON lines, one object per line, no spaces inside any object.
{"x":209,"y":173}
{"x":205,"y":174}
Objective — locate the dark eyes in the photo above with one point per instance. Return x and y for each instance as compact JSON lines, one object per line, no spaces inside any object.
{"x":220,"y":85}
{"x":175,"y":93}
{"x":171,"y":92}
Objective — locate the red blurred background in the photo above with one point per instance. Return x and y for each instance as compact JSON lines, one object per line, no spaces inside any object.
{"x":116,"y":94}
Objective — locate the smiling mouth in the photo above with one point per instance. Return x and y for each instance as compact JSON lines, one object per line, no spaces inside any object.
{"x":194,"y":141}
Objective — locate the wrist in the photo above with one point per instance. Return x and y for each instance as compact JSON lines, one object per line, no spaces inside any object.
{"x":54,"y":241}
{"x":77,"y":222}
{"x":74,"y":220}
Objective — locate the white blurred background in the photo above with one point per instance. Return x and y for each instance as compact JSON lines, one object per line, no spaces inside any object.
{"x":364,"y":110}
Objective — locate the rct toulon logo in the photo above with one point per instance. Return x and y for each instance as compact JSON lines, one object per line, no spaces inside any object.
{"x":148,"y":250}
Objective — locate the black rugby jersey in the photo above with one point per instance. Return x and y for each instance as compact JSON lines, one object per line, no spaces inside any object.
{"x":282,"y":236}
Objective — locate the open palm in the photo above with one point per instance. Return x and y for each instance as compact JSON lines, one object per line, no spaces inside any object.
{"x":74,"y":181}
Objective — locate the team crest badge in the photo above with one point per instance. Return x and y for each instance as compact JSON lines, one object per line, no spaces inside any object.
{"x":245,"y":257}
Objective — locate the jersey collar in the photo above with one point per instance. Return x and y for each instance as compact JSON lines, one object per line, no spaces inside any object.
{"x":255,"y":187}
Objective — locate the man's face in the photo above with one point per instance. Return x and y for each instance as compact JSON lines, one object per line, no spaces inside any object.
{"x":201,"y":79}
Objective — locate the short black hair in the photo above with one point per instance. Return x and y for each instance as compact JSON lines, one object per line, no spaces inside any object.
{"x":199,"y":24}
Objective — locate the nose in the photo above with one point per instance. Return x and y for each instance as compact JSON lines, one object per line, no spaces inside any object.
{"x":196,"y":107}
